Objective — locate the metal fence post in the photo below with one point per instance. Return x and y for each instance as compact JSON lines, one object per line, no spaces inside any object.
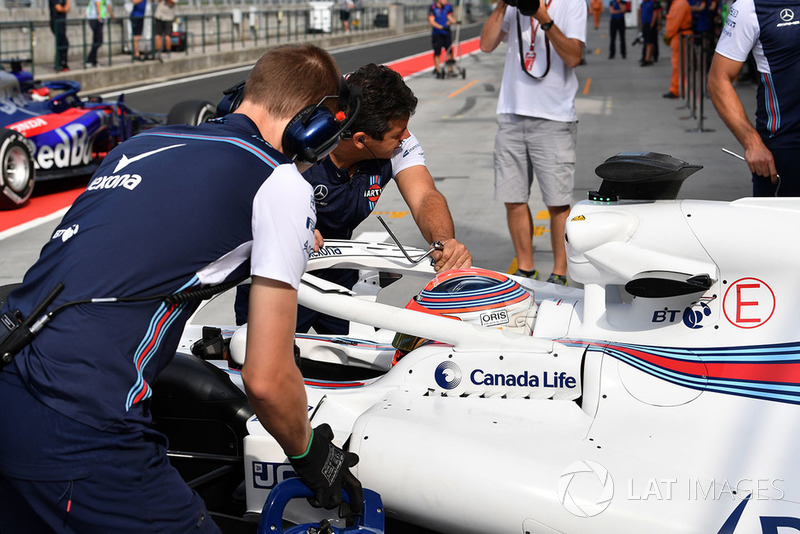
{"x":219,"y":39}
{"x":682,"y":64}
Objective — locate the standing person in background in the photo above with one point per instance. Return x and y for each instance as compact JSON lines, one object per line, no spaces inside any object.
{"x":164,"y":16}
{"x":679,"y":22}
{"x":97,"y":12}
{"x":58,"y":25}
{"x":537,"y":122}
{"x":596,"y":7}
{"x":703,"y":27}
{"x":658,"y":13}
{"x":617,"y":27}
{"x":649,"y":17}
{"x":137,"y":26}
{"x":345,"y":10}
{"x":772,"y":147}
{"x":440,"y":17}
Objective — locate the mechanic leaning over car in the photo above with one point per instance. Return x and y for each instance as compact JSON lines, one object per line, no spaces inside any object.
{"x":348,"y":183}
{"x":172,"y":209}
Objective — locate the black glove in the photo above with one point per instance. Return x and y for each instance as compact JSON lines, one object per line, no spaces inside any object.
{"x":325,"y":469}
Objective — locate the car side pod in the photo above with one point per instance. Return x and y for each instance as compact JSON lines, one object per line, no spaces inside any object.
{"x":371,"y":520}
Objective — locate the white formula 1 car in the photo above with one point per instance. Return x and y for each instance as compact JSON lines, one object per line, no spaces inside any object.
{"x":660,"y":398}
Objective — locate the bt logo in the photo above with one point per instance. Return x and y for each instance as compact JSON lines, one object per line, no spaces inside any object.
{"x":690,"y":316}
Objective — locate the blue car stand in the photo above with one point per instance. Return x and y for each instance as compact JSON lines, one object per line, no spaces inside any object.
{"x":371,"y":520}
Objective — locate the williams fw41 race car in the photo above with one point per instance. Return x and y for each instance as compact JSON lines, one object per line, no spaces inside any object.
{"x":47,"y":131}
{"x":660,"y":397}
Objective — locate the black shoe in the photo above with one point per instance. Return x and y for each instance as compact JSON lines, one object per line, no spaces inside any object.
{"x":557,"y":279}
{"x":670,"y":95}
{"x":533,"y":275}
{"x":645,"y":63}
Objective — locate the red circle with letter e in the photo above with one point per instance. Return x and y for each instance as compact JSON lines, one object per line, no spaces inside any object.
{"x":748,"y":303}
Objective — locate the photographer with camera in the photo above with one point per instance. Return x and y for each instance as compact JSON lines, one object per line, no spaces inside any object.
{"x":537,"y":123}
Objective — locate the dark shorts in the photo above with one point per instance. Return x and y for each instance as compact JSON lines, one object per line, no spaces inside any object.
{"x":441,"y":42}
{"x":649,"y":34}
{"x":344,"y":15}
{"x":137,"y":25}
{"x":59,"y":475}
{"x":162,"y":27}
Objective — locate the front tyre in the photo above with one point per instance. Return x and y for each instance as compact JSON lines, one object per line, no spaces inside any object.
{"x":191,"y":112}
{"x":16,"y":170}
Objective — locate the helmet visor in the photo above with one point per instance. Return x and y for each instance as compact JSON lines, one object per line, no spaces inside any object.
{"x":405,"y":343}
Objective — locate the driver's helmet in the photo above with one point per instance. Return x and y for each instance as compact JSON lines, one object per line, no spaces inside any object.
{"x":478,"y":296}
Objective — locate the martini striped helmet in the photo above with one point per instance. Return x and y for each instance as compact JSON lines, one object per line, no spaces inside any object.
{"x":479,"y":296}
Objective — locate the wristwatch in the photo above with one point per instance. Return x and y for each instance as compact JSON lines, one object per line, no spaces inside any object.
{"x":547,"y":25}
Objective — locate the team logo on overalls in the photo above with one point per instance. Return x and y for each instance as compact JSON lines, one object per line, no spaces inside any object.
{"x":320,"y":192}
{"x":787,"y":14}
{"x":374,"y":190}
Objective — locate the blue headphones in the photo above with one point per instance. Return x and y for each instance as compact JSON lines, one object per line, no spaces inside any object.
{"x":315,"y":131}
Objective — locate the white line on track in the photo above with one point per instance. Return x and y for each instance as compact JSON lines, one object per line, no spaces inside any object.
{"x":32,"y":224}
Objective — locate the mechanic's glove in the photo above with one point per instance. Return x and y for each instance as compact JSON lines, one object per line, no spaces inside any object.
{"x":324,"y":468}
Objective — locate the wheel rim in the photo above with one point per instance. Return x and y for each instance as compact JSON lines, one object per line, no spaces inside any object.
{"x":16,"y":169}
{"x":206,"y":114}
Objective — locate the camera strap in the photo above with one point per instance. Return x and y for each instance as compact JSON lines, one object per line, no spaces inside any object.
{"x":533,"y":39}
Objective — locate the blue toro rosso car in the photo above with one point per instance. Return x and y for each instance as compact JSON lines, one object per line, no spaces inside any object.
{"x":48,"y":132}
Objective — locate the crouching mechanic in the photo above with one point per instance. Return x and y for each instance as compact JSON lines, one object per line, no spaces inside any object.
{"x":77,"y":451}
{"x":349,"y":182}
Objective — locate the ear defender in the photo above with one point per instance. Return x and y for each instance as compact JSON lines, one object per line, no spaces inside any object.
{"x":314,"y":132}
{"x":231,"y":98}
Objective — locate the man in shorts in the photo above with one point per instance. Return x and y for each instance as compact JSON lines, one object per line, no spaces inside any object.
{"x":162,"y":26}
{"x":536,"y":118}
{"x":137,"y":25}
{"x":441,"y":18}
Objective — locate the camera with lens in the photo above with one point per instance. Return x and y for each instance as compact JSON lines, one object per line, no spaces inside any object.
{"x":526,"y":7}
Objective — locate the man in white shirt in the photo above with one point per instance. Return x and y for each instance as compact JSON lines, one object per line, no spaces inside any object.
{"x":537,"y":123}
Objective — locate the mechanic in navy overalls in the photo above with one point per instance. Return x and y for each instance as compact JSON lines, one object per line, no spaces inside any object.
{"x":348,"y":183}
{"x":173,"y":209}
{"x":771,"y":30}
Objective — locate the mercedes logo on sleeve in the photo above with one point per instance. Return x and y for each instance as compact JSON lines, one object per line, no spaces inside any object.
{"x":320,"y":192}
